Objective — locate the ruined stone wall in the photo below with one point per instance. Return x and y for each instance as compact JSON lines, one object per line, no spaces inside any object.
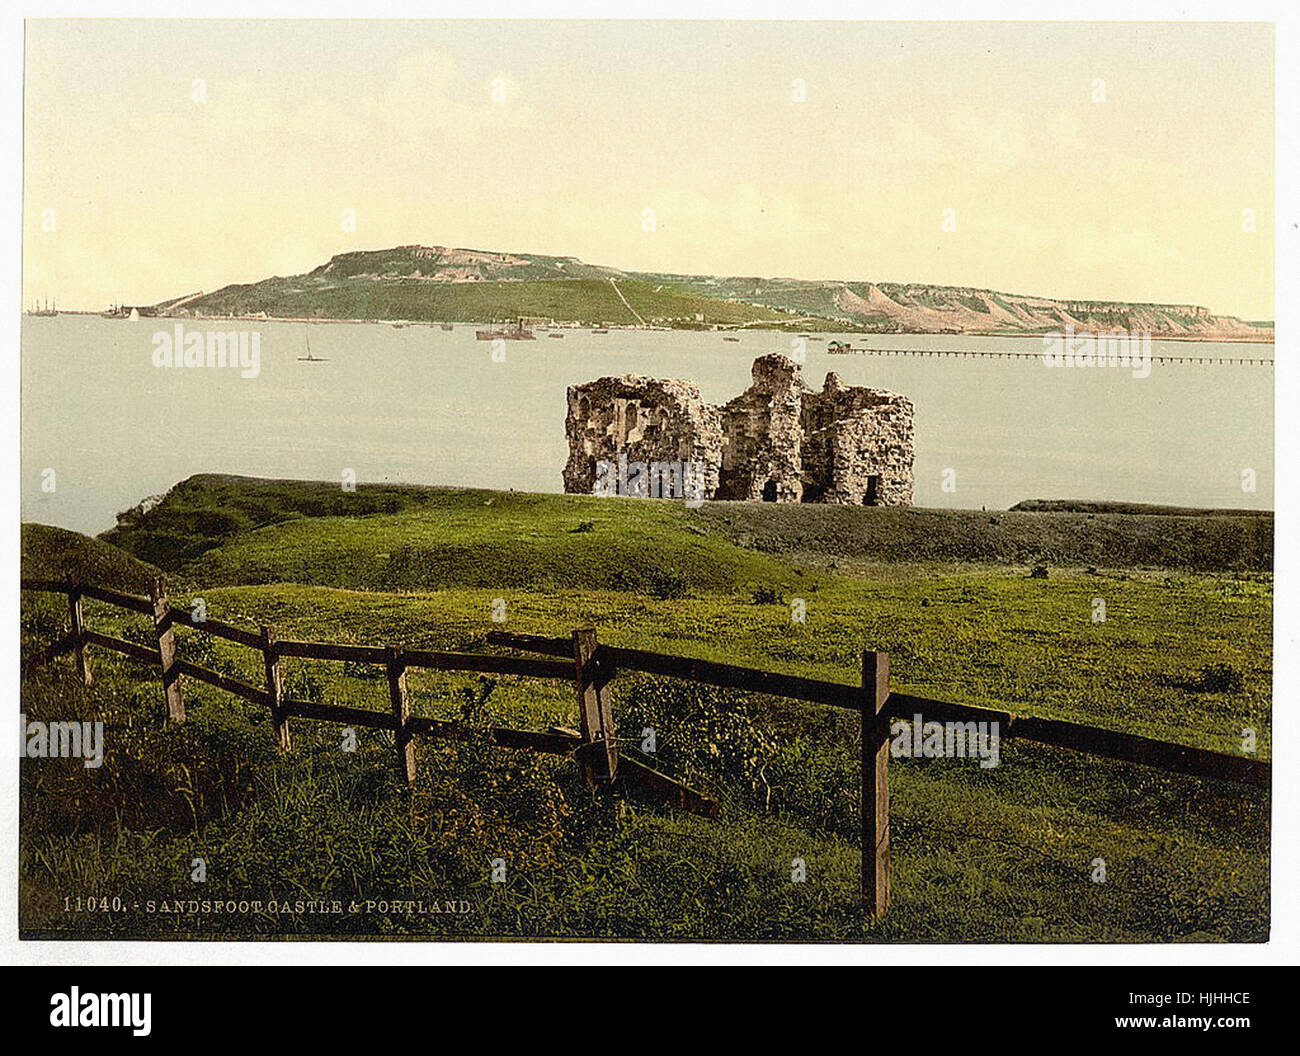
{"x":776,"y":442}
{"x":763,"y":434}
{"x":644,"y":420}
{"x":853,"y":434}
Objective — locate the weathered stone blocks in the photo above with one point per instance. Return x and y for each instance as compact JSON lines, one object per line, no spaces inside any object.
{"x":643,"y":419}
{"x":776,"y":442}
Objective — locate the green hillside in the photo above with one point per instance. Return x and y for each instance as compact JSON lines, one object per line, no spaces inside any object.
{"x":439,"y":283}
{"x":584,"y":541}
{"x":55,"y":553}
{"x":979,"y":854}
{"x":587,"y":301}
{"x":477,"y":539}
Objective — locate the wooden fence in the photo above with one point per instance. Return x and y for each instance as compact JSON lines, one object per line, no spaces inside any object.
{"x":590,"y":667}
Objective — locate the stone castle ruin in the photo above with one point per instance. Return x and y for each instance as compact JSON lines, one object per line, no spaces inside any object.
{"x":776,"y":442}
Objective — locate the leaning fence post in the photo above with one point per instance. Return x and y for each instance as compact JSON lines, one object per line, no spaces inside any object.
{"x":275,"y":689}
{"x":171,"y":676}
{"x":875,"y":783}
{"x":599,"y":752}
{"x":77,"y":628}
{"x":401,"y":712}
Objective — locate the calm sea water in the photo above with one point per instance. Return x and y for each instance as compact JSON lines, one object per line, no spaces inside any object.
{"x":422,"y":405}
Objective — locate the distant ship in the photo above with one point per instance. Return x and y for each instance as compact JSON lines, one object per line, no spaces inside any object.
{"x":46,"y":308}
{"x":731,"y":339}
{"x":517,"y":333}
{"x":446,"y":326}
{"x":600,"y":331}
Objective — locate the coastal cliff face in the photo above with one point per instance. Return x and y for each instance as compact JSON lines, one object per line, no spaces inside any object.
{"x":948,"y":309}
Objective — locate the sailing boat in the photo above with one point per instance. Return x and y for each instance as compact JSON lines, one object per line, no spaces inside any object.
{"x":309,"y":358}
{"x":45,"y":308}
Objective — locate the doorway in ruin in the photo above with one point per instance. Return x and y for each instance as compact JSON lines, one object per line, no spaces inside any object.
{"x":769,"y":491}
{"x":873,"y":492}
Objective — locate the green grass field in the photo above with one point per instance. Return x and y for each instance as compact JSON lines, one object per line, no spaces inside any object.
{"x":1003,"y":854}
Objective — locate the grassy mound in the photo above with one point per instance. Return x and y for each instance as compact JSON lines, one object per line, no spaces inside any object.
{"x":224,"y":530}
{"x":439,"y":536}
{"x":205,"y":510}
{"x":499,"y":542}
{"x":54,"y":553}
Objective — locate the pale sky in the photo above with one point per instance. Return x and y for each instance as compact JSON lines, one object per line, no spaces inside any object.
{"x":1080,"y":160}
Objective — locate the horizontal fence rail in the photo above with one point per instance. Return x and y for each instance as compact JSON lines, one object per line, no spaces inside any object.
{"x":594,"y":747}
{"x":590,"y":666}
{"x":1093,"y":740}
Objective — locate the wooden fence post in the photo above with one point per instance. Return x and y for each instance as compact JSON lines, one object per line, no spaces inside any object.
{"x":875,"y":783}
{"x":77,"y":628}
{"x":171,"y":676}
{"x":275,"y":690}
{"x":401,"y":712}
{"x":599,"y":752}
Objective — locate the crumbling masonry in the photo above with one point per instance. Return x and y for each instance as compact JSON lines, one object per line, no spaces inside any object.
{"x":776,"y":442}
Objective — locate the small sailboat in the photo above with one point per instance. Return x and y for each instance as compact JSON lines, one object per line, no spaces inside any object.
{"x":309,"y":358}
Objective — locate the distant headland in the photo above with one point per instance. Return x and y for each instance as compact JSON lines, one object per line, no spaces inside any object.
{"x":441,"y":284}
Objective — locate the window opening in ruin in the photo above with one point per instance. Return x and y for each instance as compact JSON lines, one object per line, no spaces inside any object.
{"x":769,"y":491}
{"x":872,"y":497}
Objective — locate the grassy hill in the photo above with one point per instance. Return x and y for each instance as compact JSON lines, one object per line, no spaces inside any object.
{"x":433,"y":533}
{"x":54,"y":553}
{"x":477,"y":539}
{"x":465,"y":285}
{"x":999,"y":854}
{"x":586,"y":301}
